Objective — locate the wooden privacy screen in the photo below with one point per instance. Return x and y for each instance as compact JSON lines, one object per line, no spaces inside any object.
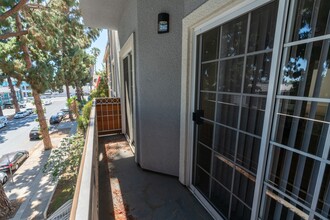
{"x":108,"y":115}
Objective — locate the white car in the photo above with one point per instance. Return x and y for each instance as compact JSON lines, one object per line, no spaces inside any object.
{"x":3,"y":178}
{"x":2,"y":125}
{"x":48,"y":102}
{"x":29,"y":110}
{"x":20,"y":115}
{"x":3,"y":120}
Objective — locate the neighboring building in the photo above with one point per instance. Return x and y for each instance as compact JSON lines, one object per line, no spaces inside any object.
{"x":234,"y":99}
{"x":26,"y":89}
{"x":5,"y":95}
{"x":111,"y":60}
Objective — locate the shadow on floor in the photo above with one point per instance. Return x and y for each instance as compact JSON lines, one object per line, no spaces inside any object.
{"x":129,"y":192}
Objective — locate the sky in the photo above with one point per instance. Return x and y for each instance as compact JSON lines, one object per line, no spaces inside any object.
{"x":100,"y":43}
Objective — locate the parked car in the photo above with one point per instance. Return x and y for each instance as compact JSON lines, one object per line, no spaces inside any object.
{"x":22,"y":104}
{"x":26,"y":113}
{"x":65,"y":110}
{"x":48,"y":102}
{"x":20,"y":114}
{"x":2,"y":125}
{"x":29,"y":110}
{"x":61,"y":115}
{"x":8,"y":105}
{"x":12,"y":160}
{"x":55,"y":119}
{"x":35,"y":133}
{"x":3,"y":177}
{"x":4,"y":120}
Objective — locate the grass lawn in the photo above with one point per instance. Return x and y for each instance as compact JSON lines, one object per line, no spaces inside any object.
{"x":64,"y":191}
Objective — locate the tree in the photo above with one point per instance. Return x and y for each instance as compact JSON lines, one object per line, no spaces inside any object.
{"x":5,"y":204}
{"x":35,"y":38}
{"x":46,"y":28}
{"x":13,"y":94}
{"x":102,"y":89}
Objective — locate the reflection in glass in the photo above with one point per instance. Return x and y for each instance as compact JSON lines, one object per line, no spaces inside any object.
{"x":239,"y":211}
{"x":202,"y":181}
{"x":210,"y":45}
{"x":231,"y":75}
{"x":293,"y":174}
{"x":243,"y":186}
{"x":205,"y":134}
{"x":323,"y":205}
{"x":278,"y":207}
{"x":225,"y":142}
{"x":227,"y":110}
{"x":300,"y":125}
{"x":207,"y":103}
{"x":233,"y":37}
{"x":262,"y":28}
{"x":203,"y":157}
{"x":257,"y":74}
{"x":306,"y":70}
{"x":311,"y":19}
{"x":252,"y":115}
{"x":209,"y":76}
{"x":248,"y":152}
{"x":220,"y":197}
{"x":223,"y":170}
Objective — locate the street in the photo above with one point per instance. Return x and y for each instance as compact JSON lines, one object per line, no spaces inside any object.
{"x":15,"y":136}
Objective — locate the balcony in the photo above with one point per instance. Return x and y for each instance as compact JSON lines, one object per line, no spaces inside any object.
{"x":111,"y":185}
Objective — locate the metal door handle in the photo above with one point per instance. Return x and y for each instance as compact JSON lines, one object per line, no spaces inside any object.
{"x":197,"y":117}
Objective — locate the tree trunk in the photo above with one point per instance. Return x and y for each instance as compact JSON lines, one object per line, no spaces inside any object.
{"x":13,"y":94}
{"x":68,"y":97}
{"x":37,"y":101}
{"x":78,"y":93}
{"x":42,"y":121}
{"x":1,"y":112}
{"x":67,"y":90}
{"x":5,"y":205}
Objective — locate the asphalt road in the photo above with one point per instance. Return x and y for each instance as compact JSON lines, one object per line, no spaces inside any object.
{"x":15,"y":136}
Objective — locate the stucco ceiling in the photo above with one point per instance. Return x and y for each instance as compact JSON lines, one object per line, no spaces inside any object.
{"x":102,"y":13}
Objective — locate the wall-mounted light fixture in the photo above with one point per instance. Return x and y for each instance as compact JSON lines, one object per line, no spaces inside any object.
{"x":163,"y":23}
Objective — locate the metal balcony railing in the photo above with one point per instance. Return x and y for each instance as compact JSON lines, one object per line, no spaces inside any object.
{"x":105,"y":118}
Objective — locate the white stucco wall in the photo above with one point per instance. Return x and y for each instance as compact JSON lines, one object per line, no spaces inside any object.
{"x":158,"y":86}
{"x":191,"y":5}
{"x":128,"y":21}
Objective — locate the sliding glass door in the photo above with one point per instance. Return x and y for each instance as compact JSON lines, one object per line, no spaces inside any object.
{"x":233,"y":66}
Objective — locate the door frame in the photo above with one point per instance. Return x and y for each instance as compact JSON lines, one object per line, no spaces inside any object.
{"x":209,"y":15}
{"x":127,"y":49}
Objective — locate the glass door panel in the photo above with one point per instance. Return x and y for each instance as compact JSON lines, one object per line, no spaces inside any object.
{"x":233,"y":67}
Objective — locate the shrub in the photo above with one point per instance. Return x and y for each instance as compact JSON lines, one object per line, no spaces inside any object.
{"x":83,"y":120}
{"x":67,"y":157}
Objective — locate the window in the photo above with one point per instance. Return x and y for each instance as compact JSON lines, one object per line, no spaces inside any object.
{"x":233,"y":80}
{"x":297,"y":176}
{"x":233,"y":68}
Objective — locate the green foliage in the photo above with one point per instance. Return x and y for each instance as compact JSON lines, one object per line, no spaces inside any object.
{"x":102,"y":90}
{"x":56,"y":44}
{"x":83,"y":120}
{"x":67,"y":157}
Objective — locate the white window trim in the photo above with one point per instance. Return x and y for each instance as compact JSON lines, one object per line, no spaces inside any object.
{"x":124,"y":51}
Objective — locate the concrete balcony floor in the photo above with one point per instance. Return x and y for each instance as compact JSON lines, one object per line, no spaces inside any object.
{"x":128,"y":192}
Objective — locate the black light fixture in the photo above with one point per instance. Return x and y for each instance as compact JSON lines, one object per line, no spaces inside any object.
{"x":163,"y":23}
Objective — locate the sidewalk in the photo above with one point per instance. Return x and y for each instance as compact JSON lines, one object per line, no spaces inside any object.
{"x":31,"y":184}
